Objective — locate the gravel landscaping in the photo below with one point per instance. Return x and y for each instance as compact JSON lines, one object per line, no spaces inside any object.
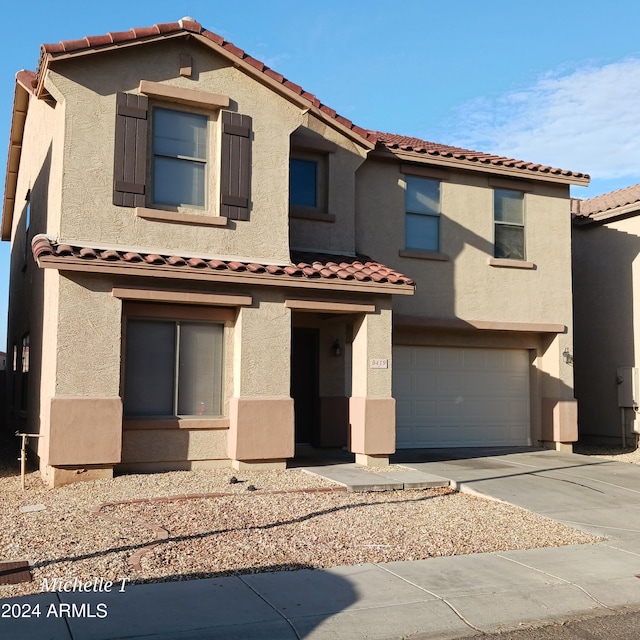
{"x":292,"y":520}
{"x":619,"y":454}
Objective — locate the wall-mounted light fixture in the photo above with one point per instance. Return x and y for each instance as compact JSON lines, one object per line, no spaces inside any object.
{"x":567,"y":355}
{"x":336,"y":348}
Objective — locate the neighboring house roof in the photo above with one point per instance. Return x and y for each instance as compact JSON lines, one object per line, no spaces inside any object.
{"x":66,"y":48}
{"x":307,"y":269}
{"x":623,"y":202}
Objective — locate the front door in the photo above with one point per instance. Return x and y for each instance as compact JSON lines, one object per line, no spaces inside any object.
{"x":304,"y":383}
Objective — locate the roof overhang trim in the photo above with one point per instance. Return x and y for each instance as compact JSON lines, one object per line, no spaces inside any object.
{"x":610,"y":215}
{"x":477,"y":165}
{"x":18,"y":119}
{"x":69,"y":263}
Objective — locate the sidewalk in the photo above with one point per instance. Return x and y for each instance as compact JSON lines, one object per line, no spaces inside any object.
{"x":436,"y":598}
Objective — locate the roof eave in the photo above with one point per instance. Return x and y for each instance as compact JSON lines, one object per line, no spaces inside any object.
{"x":353,"y":286}
{"x":613,"y":215}
{"x":18,"y":119}
{"x":478,"y":165}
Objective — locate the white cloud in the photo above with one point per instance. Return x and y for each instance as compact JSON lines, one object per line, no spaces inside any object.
{"x":588,"y":120}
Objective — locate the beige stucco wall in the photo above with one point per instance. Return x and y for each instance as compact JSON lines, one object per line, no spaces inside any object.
{"x":90,"y":86}
{"x":606,"y":267}
{"x":340,"y":187}
{"x":465,"y":286}
{"x":32,"y":294}
{"x":262,"y":347}
{"x":89,"y":330}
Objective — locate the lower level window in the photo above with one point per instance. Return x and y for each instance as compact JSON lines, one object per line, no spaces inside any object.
{"x":173,"y":368}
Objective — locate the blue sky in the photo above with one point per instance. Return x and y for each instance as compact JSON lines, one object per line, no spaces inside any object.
{"x":551,"y":82}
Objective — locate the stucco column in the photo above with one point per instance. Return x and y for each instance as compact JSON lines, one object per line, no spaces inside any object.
{"x":261,"y":419}
{"x":559,"y":415}
{"x":83,"y":417}
{"x":372,"y":410}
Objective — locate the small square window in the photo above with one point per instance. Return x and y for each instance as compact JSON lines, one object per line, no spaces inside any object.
{"x":303,"y":183}
{"x":179,"y":158}
{"x":508,"y":215}
{"x":422,"y":214}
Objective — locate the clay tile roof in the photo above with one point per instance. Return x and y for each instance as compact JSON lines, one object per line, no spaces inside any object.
{"x":189,"y":25}
{"x":393,"y":141}
{"x":348,"y":267}
{"x":606,"y":201}
{"x":317,"y":266}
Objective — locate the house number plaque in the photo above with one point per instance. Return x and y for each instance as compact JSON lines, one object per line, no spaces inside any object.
{"x":379,"y":363}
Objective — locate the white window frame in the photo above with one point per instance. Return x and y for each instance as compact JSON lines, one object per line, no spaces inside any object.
{"x":206,"y":161}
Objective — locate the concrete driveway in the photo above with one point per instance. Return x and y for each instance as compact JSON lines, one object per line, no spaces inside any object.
{"x":592,"y":494}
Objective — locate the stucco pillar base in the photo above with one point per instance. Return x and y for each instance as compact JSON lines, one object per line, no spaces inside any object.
{"x":59,"y":476}
{"x":373,"y":426}
{"x":260,"y":429}
{"x":85,"y":431}
{"x":565,"y":447}
{"x":372,"y":461}
{"x":258,"y":465}
{"x":559,"y":420}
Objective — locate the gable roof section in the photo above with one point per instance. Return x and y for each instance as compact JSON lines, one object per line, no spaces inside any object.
{"x":410,"y":148}
{"x":396,"y":146}
{"x":311,"y":270}
{"x":421,"y":149}
{"x":608,"y":206}
{"x":188,"y":26}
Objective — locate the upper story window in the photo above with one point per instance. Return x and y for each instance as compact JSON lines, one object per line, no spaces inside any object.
{"x":508,"y":215}
{"x":180,"y":144}
{"x":310,"y":167}
{"x":168,"y":161}
{"x":422,"y":214}
{"x":303,"y":183}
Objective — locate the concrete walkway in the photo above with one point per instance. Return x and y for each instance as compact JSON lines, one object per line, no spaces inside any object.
{"x":436,"y":598}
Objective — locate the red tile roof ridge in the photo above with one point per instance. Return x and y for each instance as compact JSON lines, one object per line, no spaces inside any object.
{"x":417,"y":145}
{"x":189,"y":25}
{"x":606,"y":201}
{"x":303,"y":264}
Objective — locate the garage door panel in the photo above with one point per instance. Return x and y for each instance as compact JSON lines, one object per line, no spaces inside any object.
{"x":425,"y":382}
{"x":449,"y":397}
{"x":424,"y":359}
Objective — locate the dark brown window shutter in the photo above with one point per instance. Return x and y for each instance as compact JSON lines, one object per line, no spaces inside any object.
{"x":130,"y":157}
{"x":235,"y":170}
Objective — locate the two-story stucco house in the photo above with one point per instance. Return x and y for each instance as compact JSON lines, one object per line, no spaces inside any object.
{"x":207,"y":269}
{"x":606,"y":246}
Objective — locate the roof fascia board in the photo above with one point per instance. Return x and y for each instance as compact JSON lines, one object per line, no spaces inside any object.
{"x":48,"y":58}
{"x":619,"y":213}
{"x":469,"y":165}
{"x":75,"y":264}
{"x":18,"y":120}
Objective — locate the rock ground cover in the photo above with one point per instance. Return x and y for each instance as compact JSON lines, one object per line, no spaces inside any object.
{"x":90,"y":530}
